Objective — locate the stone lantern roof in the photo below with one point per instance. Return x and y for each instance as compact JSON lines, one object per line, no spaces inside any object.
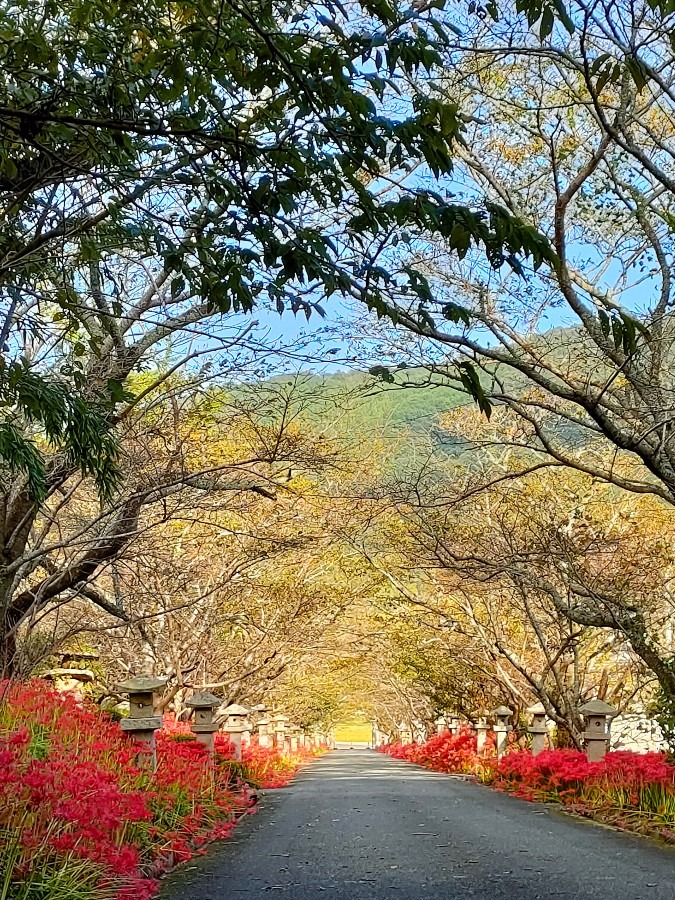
{"x":537,"y":710}
{"x":234,"y":709}
{"x":502,"y":711}
{"x":598,"y":708}
{"x":142,"y":684}
{"x":203,"y":700}
{"x":76,"y":674}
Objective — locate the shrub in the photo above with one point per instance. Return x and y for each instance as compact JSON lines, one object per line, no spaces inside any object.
{"x":79,"y":820}
{"x":451,"y":753}
{"x":635,"y":790}
{"x":631,"y":790}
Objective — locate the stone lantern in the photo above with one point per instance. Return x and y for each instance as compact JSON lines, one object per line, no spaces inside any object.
{"x":142,"y":723}
{"x":259,"y":711}
{"x":264,"y":736}
{"x":598,"y":716}
{"x":502,"y":728}
{"x":279,"y":727}
{"x":246,"y":733}
{"x":405,"y":733}
{"x":70,"y":681}
{"x":538,"y":728}
{"x":482,"y":729}
{"x":203,"y":727}
{"x":441,"y":725}
{"x":235,"y":726}
{"x":73,"y":673}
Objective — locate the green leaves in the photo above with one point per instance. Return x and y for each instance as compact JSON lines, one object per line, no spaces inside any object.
{"x":622,"y":328}
{"x":466,"y":373}
{"x":238,"y":154}
{"x":65,"y":420}
{"x":472,"y":385}
{"x":383,"y":373}
{"x":546,"y":13}
{"x":20,"y":454}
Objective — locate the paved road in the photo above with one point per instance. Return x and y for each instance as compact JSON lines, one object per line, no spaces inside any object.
{"x":360,"y":826}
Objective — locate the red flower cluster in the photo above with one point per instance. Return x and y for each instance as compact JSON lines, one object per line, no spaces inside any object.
{"x":447,"y":752}
{"x":636,"y":790}
{"x":78,"y":817}
{"x":632,"y":790}
{"x":268,"y":768}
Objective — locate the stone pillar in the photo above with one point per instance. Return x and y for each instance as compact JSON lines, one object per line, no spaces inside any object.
{"x":294,"y":738}
{"x":246,"y":733}
{"x":405,"y":732}
{"x":441,"y":725}
{"x":482,"y":729}
{"x":501,"y":728}
{"x":142,"y":723}
{"x":203,"y":727}
{"x":538,"y":728}
{"x":235,"y":726}
{"x":234,"y":733}
{"x":258,"y":711}
{"x":454,"y":725}
{"x":264,"y":736}
{"x":279,"y":727}
{"x":598,"y":716}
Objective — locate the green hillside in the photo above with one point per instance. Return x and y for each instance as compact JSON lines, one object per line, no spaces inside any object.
{"x":411,"y":404}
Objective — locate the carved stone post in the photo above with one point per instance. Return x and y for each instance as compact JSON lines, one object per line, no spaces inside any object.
{"x":203,"y":727}
{"x":405,"y":733}
{"x":441,"y":725}
{"x":482,"y":729}
{"x":259,"y":714}
{"x":294,"y":738}
{"x":235,"y":726}
{"x":598,"y":716}
{"x":258,"y":711}
{"x":502,"y":728}
{"x":264,"y":736}
{"x":454,"y":725}
{"x":142,"y":723}
{"x":279,"y":727}
{"x":246,"y":733}
{"x":538,"y":728}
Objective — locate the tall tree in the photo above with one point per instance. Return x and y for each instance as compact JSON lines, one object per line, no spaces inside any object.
{"x":573,"y":135}
{"x":239,"y":152}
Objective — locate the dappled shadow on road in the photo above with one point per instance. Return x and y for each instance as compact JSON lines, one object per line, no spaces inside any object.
{"x":348,"y":765}
{"x":323,"y":775}
{"x":358,"y":825}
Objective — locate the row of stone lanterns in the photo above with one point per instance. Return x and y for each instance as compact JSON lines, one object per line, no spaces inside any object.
{"x":142,"y":723}
{"x":446,"y":724}
{"x":597,"y":714}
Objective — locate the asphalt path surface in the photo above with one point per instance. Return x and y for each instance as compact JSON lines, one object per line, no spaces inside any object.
{"x":357,"y":825}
